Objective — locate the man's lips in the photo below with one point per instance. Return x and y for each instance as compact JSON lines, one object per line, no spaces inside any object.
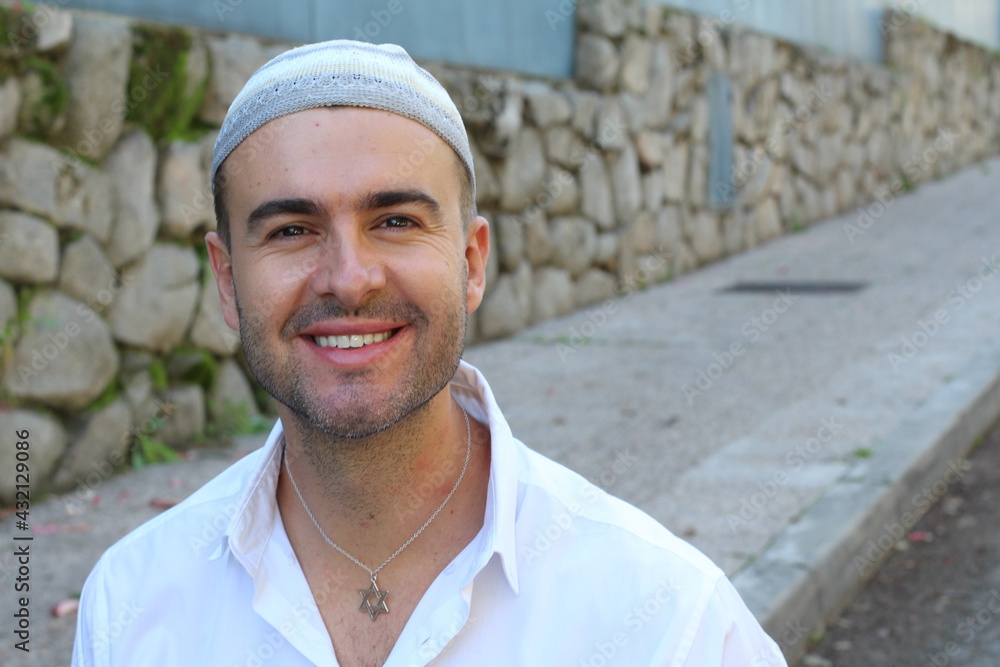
{"x":353,"y":340}
{"x":348,"y":336}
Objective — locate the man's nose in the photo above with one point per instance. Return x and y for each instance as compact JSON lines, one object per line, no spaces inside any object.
{"x":349,"y":269}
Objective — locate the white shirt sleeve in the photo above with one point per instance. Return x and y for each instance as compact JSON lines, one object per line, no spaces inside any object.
{"x":730,"y":636}
{"x":91,"y":614}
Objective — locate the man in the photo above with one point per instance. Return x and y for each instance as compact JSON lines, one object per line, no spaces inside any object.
{"x":391,"y":518}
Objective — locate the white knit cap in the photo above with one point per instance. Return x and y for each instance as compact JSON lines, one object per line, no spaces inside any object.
{"x":343,"y":73}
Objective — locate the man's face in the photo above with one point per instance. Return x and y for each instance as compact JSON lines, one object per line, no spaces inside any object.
{"x":349,"y":274}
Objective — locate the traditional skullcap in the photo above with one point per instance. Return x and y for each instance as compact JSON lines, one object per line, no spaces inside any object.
{"x":343,"y":73}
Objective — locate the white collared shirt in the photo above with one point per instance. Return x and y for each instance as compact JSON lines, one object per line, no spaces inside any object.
{"x":561,"y":573}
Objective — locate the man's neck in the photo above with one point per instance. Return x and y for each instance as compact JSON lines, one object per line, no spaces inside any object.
{"x":373,"y":493}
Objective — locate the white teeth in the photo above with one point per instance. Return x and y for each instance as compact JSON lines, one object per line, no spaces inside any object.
{"x":352,"y":341}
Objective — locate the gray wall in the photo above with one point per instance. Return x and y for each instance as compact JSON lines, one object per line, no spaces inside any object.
{"x":533,"y":36}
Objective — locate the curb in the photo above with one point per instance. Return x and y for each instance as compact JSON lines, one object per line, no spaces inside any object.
{"x":812,"y":568}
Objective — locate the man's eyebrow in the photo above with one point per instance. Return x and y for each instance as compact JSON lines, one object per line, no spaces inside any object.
{"x":275,"y":207}
{"x":390,"y":198}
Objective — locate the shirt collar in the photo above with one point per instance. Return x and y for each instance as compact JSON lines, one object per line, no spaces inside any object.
{"x":251,"y":526}
{"x":473,"y":393}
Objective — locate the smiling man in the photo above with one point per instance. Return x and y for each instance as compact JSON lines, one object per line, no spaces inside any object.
{"x":391,"y":518}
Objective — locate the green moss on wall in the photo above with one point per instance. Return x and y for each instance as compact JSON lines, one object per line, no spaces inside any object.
{"x":165,"y":103}
{"x":45,"y":93}
{"x":15,"y":27}
{"x":45,"y":96}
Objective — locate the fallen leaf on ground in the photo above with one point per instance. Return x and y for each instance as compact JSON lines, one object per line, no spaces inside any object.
{"x":65,"y":607}
{"x":163,"y":503}
{"x":76,"y":528}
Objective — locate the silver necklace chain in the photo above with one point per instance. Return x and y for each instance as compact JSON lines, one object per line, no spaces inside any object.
{"x":374,"y":573}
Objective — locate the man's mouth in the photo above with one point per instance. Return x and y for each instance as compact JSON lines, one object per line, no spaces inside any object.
{"x":354,"y":340}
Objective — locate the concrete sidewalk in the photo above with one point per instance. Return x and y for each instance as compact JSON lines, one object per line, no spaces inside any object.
{"x":790,"y":431}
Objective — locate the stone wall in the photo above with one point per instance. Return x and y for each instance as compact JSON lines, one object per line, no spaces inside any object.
{"x":109,"y":320}
{"x":586,"y":179}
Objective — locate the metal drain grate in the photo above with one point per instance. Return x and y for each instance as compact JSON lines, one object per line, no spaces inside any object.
{"x":802,"y":287}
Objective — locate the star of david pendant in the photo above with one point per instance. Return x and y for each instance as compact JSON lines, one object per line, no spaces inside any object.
{"x":380,"y":607}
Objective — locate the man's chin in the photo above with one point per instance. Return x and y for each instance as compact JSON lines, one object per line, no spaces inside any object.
{"x":351,"y":420}
{"x":340,"y":423}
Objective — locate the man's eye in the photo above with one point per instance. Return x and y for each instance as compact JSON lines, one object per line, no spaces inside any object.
{"x":290,"y":230}
{"x":397,"y":222}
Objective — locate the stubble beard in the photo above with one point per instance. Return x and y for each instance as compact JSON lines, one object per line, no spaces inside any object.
{"x":354,"y":413}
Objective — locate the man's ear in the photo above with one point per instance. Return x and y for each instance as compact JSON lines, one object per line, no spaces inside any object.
{"x":477,"y":251}
{"x":222,"y":267}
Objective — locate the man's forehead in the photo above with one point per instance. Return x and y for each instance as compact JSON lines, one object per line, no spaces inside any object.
{"x":347,"y":123}
{"x":315,"y":146}
{"x":332,"y":133}
{"x":341,"y":73}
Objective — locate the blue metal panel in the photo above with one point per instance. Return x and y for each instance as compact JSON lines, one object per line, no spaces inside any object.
{"x":533,"y":36}
{"x":523,"y":35}
{"x":720,"y":141}
{"x":288,"y":20}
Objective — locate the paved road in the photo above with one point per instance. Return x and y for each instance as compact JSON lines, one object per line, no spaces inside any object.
{"x":936,"y":603}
